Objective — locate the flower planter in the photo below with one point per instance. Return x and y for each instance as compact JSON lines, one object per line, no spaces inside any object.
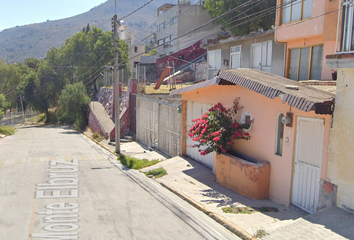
{"x":250,"y":179}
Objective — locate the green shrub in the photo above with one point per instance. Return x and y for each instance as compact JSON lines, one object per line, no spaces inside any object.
{"x":73,"y":105}
{"x":157,"y":173}
{"x":135,"y":163}
{"x":6,"y":130}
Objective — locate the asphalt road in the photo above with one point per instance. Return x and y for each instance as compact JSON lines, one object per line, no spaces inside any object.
{"x":57,"y":184}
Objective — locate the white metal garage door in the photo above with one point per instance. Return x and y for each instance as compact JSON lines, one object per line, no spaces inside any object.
{"x":196,"y":110}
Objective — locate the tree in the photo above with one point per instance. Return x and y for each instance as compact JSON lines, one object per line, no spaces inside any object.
{"x":245,"y":19}
{"x":73,"y":105}
{"x":87,"y":54}
{"x":42,"y":89}
{"x":3,"y":105}
{"x":11,"y":76}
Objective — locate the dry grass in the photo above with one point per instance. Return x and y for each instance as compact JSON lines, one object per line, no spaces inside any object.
{"x":149,"y":89}
{"x":163,"y":88}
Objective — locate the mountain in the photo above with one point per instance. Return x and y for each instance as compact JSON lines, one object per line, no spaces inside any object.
{"x":34,"y":40}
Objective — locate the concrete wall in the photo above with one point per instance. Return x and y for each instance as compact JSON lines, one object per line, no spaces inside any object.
{"x":340,"y":165}
{"x":263,"y":133}
{"x":249,"y":179}
{"x":95,"y":125}
{"x":246,"y":43}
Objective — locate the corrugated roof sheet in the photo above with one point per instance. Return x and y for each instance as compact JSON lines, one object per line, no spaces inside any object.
{"x":296,"y":94}
{"x":207,"y":83}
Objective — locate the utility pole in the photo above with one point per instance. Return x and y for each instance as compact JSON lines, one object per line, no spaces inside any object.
{"x":116,"y":84}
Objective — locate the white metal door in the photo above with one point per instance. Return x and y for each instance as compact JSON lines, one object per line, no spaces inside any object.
{"x":235,"y":57}
{"x":308,"y":159}
{"x":257,"y":56}
{"x":196,"y":110}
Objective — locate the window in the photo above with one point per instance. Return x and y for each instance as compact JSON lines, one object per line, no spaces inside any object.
{"x":166,"y":42}
{"x":306,"y":63}
{"x":235,"y":56}
{"x":171,"y":42}
{"x":136,"y":49}
{"x":214,"y":62}
{"x":279,"y":136}
{"x":261,"y":54}
{"x":294,"y":10}
{"x":347,"y":37}
{"x":173,"y":20}
{"x":160,"y":27}
{"x":160,"y":42}
{"x":165,"y":24}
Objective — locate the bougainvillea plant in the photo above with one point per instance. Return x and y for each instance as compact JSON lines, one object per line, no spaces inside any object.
{"x":216,"y":129}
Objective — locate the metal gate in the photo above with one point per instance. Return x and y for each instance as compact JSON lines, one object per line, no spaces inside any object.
{"x":159,"y":124}
{"x":308,"y":160}
{"x":132,"y":105}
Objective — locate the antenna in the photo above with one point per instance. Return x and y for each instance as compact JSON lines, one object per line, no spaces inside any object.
{"x":115,"y":7}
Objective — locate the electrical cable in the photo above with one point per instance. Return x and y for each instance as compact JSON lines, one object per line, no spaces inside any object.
{"x":136,"y":10}
{"x":193,"y":5}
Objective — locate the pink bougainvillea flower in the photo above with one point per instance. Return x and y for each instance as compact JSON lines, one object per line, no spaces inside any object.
{"x":214,"y":130}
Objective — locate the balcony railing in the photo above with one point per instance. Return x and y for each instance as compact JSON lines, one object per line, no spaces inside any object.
{"x":345,"y":30}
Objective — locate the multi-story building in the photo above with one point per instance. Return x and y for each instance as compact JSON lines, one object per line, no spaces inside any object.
{"x":135,"y":50}
{"x":175,"y":20}
{"x":308,"y":28}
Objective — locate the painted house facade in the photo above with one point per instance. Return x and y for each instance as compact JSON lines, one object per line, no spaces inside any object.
{"x":257,"y":51}
{"x":297,"y":152}
{"x":308,"y":28}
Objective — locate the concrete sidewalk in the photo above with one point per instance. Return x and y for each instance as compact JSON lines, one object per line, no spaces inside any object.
{"x":196,"y":183}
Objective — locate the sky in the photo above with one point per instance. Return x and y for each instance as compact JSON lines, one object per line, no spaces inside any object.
{"x":22,"y":12}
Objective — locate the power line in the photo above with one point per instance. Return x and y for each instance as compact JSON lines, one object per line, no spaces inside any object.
{"x":136,"y":9}
{"x":193,"y":5}
{"x":204,"y":24}
{"x":264,"y":13}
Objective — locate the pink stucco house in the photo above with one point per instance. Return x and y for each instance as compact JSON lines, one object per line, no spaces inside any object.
{"x":308,"y":29}
{"x":296,"y":150}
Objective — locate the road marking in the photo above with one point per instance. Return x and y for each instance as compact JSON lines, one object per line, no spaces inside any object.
{"x":63,"y":175}
{"x":34,"y":208}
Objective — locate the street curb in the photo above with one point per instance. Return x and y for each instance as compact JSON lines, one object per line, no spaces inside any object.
{"x":223,"y":221}
{"x":98,"y":143}
{"x":226,"y":223}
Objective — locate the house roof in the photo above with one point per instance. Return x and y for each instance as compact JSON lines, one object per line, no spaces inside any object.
{"x":296,"y":94}
{"x":238,"y":38}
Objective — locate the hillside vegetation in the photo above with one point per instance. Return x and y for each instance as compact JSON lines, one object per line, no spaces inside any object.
{"x":34,"y":40}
